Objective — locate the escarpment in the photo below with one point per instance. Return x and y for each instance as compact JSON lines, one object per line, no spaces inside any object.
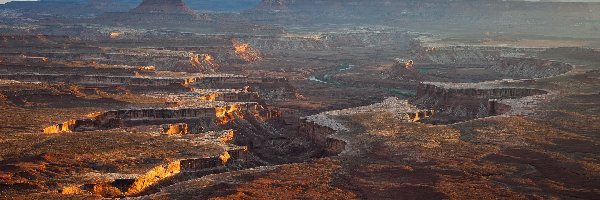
{"x":144,"y":128}
{"x":330,"y":41}
{"x":176,"y":129}
{"x":198,"y":119}
{"x":320,"y":135}
{"x":167,"y":80}
{"x":245,"y":52}
{"x":530,"y":67}
{"x":231,"y":96}
{"x":198,"y":109}
{"x":182,"y":169}
{"x":455,"y":102}
{"x":325,"y":129}
{"x":299,"y":99}
{"x":203,"y":63}
{"x":506,"y":62}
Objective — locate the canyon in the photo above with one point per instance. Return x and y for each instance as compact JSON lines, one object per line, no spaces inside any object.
{"x":290,"y":99}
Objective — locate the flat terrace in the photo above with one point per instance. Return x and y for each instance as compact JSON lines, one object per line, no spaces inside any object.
{"x":489,"y":90}
{"x":231,"y":95}
{"x":459,"y":102}
{"x":201,"y":117}
{"x":126,"y":80}
{"x":121,"y":70}
{"x":401,"y":109}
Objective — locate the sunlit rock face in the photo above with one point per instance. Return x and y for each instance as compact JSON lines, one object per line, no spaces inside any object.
{"x":163,"y":7}
{"x":245,"y":51}
{"x":203,"y":62}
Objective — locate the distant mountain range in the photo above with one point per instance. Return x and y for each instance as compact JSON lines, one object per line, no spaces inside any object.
{"x":124,"y":5}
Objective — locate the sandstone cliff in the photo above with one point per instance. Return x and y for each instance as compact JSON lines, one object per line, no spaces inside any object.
{"x":456,"y":102}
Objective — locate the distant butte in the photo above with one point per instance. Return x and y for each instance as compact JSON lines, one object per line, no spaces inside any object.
{"x":273,"y":4}
{"x":163,"y":7}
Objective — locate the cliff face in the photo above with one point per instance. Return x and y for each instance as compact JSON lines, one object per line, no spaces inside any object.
{"x":127,"y":186}
{"x":455,"y":104}
{"x":326,"y":41}
{"x":319,"y":135}
{"x":530,"y":67}
{"x":154,"y":81}
{"x":245,"y":52}
{"x":203,"y":63}
{"x":508,"y":62}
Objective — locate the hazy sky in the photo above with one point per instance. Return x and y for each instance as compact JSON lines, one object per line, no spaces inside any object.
{"x":4,"y":1}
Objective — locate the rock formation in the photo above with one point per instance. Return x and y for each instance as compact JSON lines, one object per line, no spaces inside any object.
{"x":455,"y":102}
{"x":176,"y":129}
{"x":245,"y":51}
{"x":136,"y":184}
{"x":403,"y":70}
{"x":203,"y":62}
{"x":163,"y":7}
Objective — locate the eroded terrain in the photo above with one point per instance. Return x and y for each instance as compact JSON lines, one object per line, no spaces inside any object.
{"x":157,"y":100}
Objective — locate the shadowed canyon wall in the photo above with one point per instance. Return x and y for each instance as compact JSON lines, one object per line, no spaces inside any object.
{"x":457,"y":104}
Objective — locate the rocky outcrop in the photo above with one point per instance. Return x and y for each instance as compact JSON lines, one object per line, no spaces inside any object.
{"x":71,"y":126}
{"x":449,"y":91}
{"x":199,"y":80}
{"x":225,"y":114}
{"x":458,"y":55}
{"x":455,"y":102}
{"x":16,"y":68}
{"x":201,"y":117}
{"x":153,"y":176}
{"x":180,"y":120}
{"x":226,"y":136}
{"x":100,"y":80}
{"x":320,"y":135}
{"x":273,"y":88}
{"x":529,"y":67}
{"x":323,"y":128}
{"x":176,"y":129}
{"x":315,"y":132}
{"x":229,"y":96}
{"x":203,"y":63}
{"x":327,"y":41}
{"x":132,"y":185}
{"x":403,"y":70}
{"x":245,"y":52}
{"x":509,"y":62}
{"x":185,"y":60}
{"x":151,"y":12}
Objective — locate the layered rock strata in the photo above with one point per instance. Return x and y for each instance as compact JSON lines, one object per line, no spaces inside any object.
{"x":456,"y":102}
{"x":323,"y":129}
{"x":198,"y":119}
{"x":132,"y":185}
